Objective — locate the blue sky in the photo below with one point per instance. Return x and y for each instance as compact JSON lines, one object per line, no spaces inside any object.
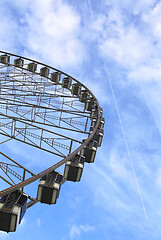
{"x":119,"y":195}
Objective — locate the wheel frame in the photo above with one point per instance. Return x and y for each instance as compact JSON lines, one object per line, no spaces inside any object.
{"x":72,"y":154}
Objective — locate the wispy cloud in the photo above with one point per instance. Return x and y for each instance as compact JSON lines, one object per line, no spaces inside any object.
{"x":76,"y":230}
{"x":132,"y":42}
{"x":51,"y":33}
{"x":3,"y":235}
{"x":38,"y":223}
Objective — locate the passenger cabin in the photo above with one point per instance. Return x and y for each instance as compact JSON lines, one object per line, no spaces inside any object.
{"x":44,"y":72}
{"x":12,"y":210}
{"x":49,"y":188}
{"x":89,"y":151}
{"x":76,"y":89}
{"x":32,"y":67}
{"x":19,"y":62}
{"x":83,"y":96}
{"x":66,"y":83}
{"x":98,"y":136}
{"x":94,"y":121}
{"x":90,"y":104}
{"x":74,"y":168}
{"x":5,"y":59}
{"x":94,"y":112}
{"x":55,"y":77}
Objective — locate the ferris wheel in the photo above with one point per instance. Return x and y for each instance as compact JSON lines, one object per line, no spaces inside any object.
{"x":48,"y":110}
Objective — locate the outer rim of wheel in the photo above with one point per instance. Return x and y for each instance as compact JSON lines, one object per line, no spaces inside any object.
{"x":72,"y":154}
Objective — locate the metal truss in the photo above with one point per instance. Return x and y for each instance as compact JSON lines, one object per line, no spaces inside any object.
{"x":40,"y":113}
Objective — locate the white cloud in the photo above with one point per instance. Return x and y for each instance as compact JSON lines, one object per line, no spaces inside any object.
{"x":146,"y":74}
{"x":3,"y":235}
{"x":113,"y":186}
{"x":87,"y":228}
{"x":51,"y":33}
{"x":38,"y":223}
{"x":118,"y":168}
{"x":132,"y":42}
{"x":76,"y":230}
{"x":127,"y":48}
{"x":153,"y":19}
{"x":123,"y":42}
{"x":137,"y":8}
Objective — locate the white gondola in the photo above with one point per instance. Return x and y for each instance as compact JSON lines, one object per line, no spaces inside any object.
{"x":12,"y":210}
{"x":66,"y":83}
{"x":94,"y":121}
{"x":55,"y":77}
{"x":49,"y":188}
{"x":94,"y":112}
{"x":98,"y":136}
{"x":32,"y":67}
{"x":5,"y":59}
{"x":44,"y":72}
{"x":83,"y":96}
{"x":74,"y":168}
{"x":19,"y":62}
{"x":76,"y":89}
{"x":89,"y":151}
{"x":90,"y":104}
